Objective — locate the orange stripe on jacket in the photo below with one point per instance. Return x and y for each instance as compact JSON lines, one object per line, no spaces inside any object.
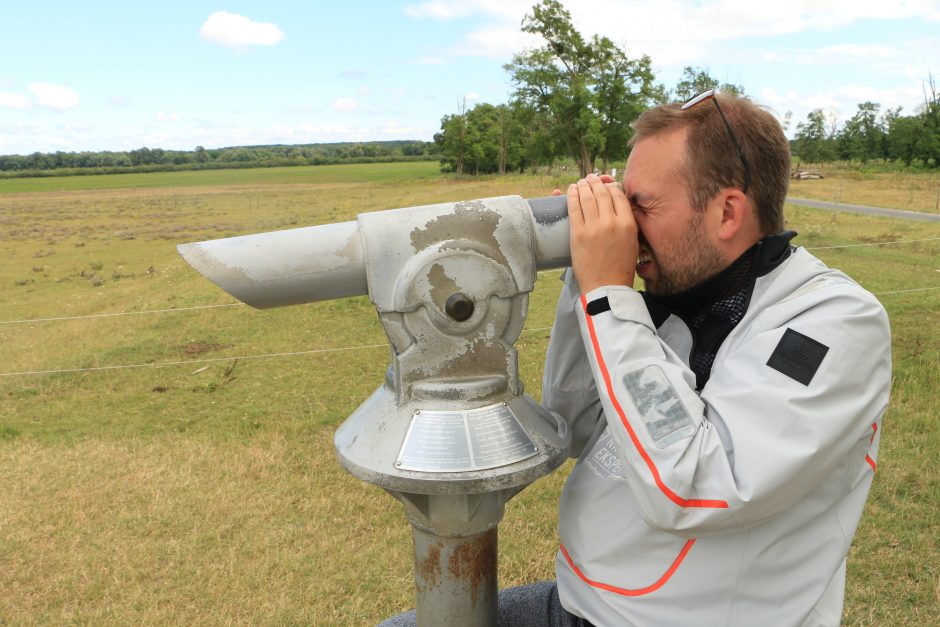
{"x":675,"y":498}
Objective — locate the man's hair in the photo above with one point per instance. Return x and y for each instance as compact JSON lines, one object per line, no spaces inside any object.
{"x":711,"y":160}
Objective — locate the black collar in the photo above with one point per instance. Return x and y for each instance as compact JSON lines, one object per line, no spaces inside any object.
{"x":756,"y":261}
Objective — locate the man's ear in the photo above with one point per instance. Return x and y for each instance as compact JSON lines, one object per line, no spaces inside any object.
{"x":736,"y":216}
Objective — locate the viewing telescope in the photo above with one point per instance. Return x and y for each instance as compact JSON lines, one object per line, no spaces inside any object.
{"x":324,"y":262}
{"x":450,"y":432}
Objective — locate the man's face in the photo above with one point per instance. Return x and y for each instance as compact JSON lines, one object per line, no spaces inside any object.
{"x":678,"y":245}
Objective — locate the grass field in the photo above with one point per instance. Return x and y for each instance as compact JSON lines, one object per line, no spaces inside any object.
{"x":895,"y":190}
{"x":207,"y":492}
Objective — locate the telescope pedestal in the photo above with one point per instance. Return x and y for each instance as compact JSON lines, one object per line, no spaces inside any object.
{"x":450,"y":433}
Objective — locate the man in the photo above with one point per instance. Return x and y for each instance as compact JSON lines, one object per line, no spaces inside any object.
{"x":726,"y":421}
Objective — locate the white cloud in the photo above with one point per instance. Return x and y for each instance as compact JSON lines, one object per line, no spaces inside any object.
{"x":345,"y":104}
{"x":445,"y":11}
{"x":14,"y":101}
{"x":49,"y":96}
{"x":119,"y":101}
{"x":497,"y":42}
{"x":30,"y":137}
{"x":237,"y":31}
{"x":430,"y":60}
{"x":857,"y":52}
{"x":842,"y":53}
{"x":843,"y":101}
{"x":327,"y":129}
{"x":672,"y":32}
{"x":826,"y":101}
{"x":770,"y":95}
{"x":891,"y":97}
{"x":471,"y":95}
{"x":393,"y":129}
{"x":77,"y":126}
{"x":168,"y":117}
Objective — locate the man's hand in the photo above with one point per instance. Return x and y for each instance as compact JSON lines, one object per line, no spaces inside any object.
{"x":604,"y":245}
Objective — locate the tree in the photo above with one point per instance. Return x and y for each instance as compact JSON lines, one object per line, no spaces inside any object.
{"x":901,"y":136}
{"x":616,"y":105}
{"x":510,"y":135}
{"x":584,"y":94}
{"x":484,"y":139}
{"x":929,"y":142}
{"x":862,"y":135}
{"x":812,"y":141}
{"x":694,"y":81}
{"x":457,"y":140}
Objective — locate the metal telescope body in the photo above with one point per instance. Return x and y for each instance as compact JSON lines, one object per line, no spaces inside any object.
{"x":450,"y":432}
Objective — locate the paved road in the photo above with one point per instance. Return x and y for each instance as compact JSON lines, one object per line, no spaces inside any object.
{"x":875,"y":211}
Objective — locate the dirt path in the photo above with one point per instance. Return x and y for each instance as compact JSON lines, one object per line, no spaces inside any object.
{"x":876,"y":211}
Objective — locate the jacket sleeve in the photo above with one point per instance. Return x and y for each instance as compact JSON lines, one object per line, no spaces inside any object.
{"x":757,"y":440}
{"x":568,"y":382}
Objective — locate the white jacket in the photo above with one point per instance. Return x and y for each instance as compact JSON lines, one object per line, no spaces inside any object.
{"x":732,"y":506}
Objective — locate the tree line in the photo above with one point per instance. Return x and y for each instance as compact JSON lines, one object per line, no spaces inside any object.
{"x":575,"y":99}
{"x":872,"y":134}
{"x":157,"y":159}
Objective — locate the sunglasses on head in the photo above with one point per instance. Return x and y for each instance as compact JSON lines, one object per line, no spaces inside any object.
{"x":710,"y":94}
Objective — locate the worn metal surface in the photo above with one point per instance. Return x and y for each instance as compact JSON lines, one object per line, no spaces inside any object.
{"x":417,"y":259}
{"x":284,"y":267}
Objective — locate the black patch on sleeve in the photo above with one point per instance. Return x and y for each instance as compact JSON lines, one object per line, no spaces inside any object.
{"x":598,"y":305}
{"x":798,"y":356}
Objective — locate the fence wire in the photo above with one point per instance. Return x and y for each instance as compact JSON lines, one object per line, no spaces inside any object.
{"x":296,"y":353}
{"x":227,"y":305}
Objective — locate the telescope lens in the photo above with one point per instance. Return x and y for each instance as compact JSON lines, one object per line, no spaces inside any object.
{"x":459,"y":307}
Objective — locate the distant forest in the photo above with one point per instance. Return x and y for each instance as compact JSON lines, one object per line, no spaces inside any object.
{"x":157,"y":159}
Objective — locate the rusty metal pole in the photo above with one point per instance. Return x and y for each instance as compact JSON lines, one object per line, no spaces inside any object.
{"x":455,"y":578}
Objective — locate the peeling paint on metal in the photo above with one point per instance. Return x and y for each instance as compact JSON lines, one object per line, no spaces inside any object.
{"x":441,"y":285}
{"x":469,"y":220}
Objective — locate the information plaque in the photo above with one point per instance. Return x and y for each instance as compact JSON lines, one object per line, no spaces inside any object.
{"x":459,"y":441}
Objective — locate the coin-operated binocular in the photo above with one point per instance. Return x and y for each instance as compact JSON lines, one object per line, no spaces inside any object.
{"x":450,"y":432}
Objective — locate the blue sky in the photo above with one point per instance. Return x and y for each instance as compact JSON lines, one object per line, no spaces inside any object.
{"x":107,"y":75}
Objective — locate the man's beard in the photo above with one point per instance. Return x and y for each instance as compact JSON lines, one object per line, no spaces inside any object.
{"x":696,"y":260}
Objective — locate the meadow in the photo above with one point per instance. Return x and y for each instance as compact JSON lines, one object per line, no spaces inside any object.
{"x":174,"y":464}
{"x":877,"y":185}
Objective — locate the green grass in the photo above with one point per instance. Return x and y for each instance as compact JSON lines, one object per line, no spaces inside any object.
{"x":343,"y":173}
{"x":208,"y":492}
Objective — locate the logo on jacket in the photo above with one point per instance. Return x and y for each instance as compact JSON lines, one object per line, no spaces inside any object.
{"x":604,"y":460}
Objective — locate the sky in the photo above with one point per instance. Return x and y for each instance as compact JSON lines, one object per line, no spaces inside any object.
{"x":119,"y":75}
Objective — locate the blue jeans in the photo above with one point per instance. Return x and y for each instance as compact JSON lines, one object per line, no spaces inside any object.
{"x":534,"y":605}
